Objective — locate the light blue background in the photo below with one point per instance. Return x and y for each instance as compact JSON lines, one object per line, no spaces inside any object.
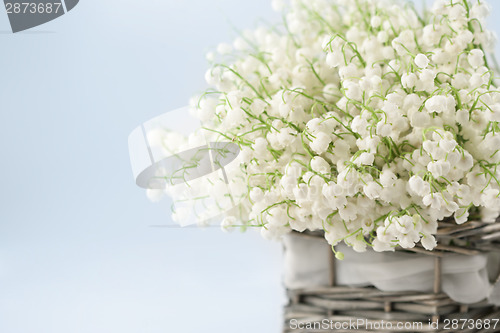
{"x":77,"y":253}
{"x":77,"y":250}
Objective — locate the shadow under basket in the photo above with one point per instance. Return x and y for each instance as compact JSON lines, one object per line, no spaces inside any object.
{"x":367,"y":309}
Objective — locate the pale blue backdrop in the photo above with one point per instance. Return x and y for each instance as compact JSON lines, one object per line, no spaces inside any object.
{"x":77,"y":252}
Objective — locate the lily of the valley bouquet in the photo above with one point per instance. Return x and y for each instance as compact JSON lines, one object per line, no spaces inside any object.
{"x":361,"y":118}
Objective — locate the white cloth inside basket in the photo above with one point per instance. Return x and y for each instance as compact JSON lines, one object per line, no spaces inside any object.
{"x":464,"y":278}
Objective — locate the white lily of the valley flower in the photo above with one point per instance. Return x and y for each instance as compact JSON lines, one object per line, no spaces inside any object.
{"x":369,"y":127}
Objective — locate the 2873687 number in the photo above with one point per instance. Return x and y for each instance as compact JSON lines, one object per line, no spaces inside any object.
{"x":32,"y":8}
{"x":455,"y":324}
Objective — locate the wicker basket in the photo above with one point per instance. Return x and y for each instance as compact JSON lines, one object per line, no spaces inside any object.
{"x":344,"y":305}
